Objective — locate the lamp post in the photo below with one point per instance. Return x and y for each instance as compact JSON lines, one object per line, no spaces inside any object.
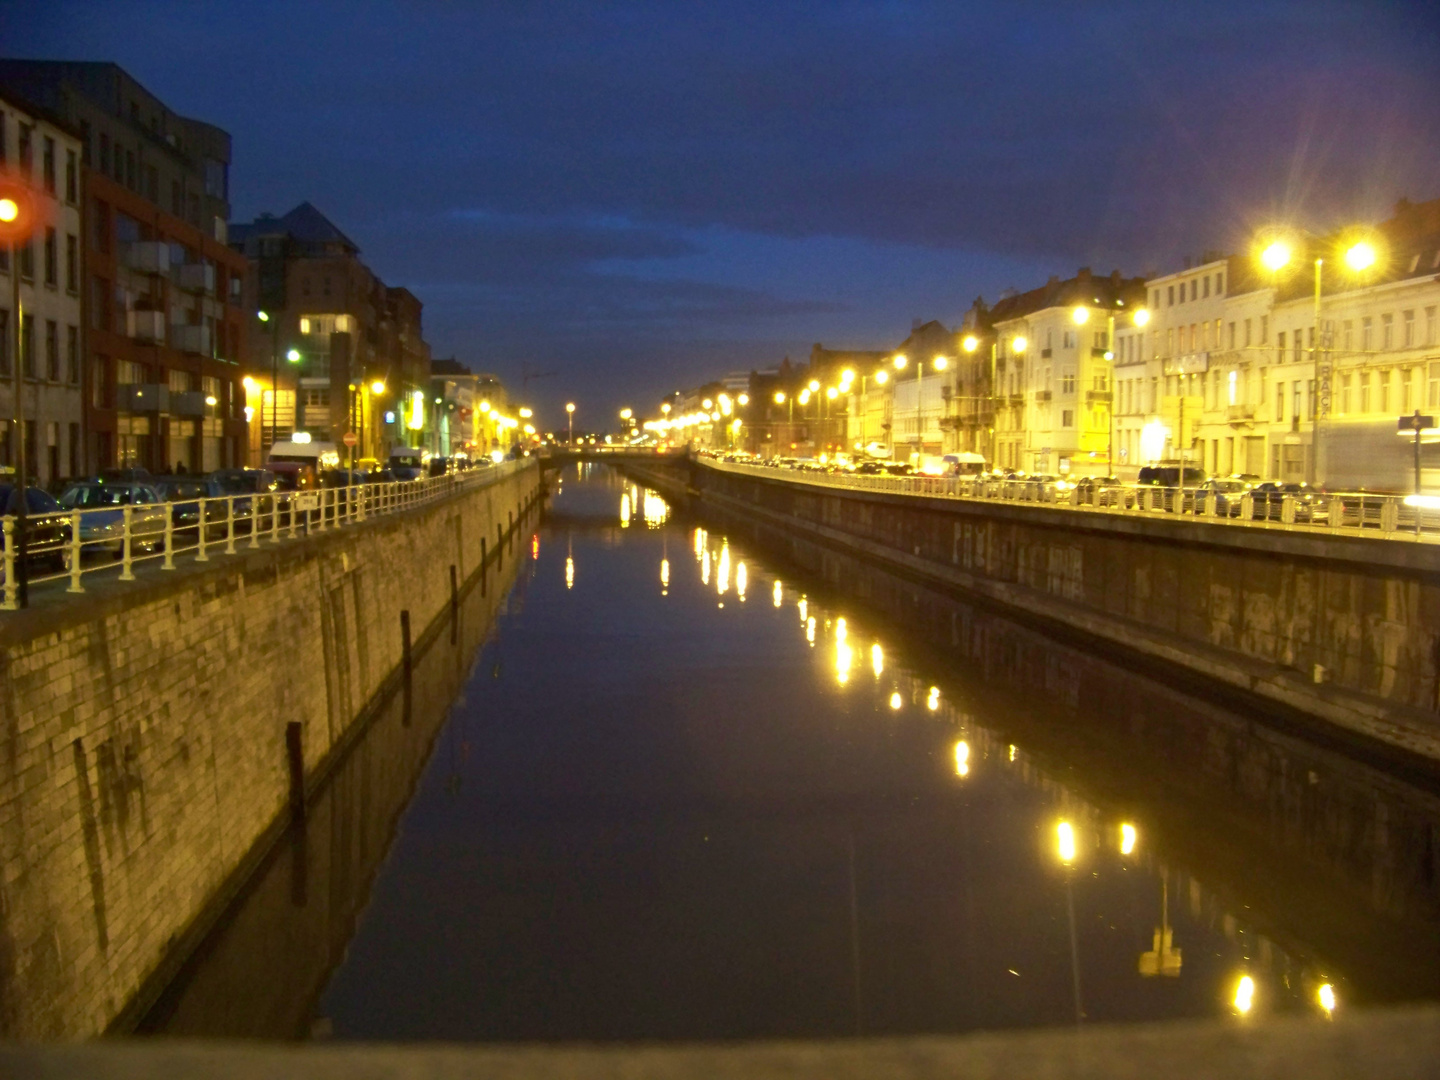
{"x":1358,"y":257}
{"x":17,"y":221}
{"x":274,"y":324}
{"x":570,"y":424}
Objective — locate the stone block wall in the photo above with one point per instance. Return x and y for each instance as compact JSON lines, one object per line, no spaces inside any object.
{"x":143,"y":758}
{"x":1346,"y":628}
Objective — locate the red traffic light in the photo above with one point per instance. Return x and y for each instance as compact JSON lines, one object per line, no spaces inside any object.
{"x":19,"y":217}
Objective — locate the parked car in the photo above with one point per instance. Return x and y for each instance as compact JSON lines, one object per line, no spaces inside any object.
{"x":1227,"y":494}
{"x":1269,"y":502}
{"x":184,"y":493}
{"x":47,"y":528}
{"x":1103,"y":491}
{"x":102,"y":520}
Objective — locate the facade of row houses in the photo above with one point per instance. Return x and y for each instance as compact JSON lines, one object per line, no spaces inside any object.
{"x":160,"y":347}
{"x":1037,"y":375}
{"x":44,"y":152}
{"x":1238,"y":369}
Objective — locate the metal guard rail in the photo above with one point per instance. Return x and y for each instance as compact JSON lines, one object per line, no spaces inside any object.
{"x":1393,"y":517}
{"x":148,"y":532}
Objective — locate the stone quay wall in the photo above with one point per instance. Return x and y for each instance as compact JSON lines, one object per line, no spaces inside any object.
{"x":146,"y":755}
{"x":1345,"y":629}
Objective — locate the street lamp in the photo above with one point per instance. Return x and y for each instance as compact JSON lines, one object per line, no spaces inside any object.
{"x":570,"y":423}
{"x":1358,"y":256}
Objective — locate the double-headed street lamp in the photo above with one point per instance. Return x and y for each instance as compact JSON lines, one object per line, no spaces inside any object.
{"x":1358,"y":256}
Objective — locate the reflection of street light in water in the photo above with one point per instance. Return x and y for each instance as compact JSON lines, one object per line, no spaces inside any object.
{"x":1066,"y":850}
{"x":1163,"y":958}
{"x":777,"y":593}
{"x":1244,"y":995}
{"x":569,"y":564}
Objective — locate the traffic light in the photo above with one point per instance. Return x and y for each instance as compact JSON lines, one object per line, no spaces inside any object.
{"x":19,"y":211}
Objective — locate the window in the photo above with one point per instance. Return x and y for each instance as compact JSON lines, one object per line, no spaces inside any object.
{"x":1067,"y":383}
{"x":1264,"y":329}
{"x":1170,"y":296}
{"x":1247,"y":333}
{"x":72,"y":178}
{"x":52,"y":268}
{"x":1169,"y":342}
{"x":1365,"y":391}
{"x":1232,"y":387}
{"x":52,"y":350}
{"x":1068,"y":339}
{"x":1432,"y":398}
{"x":1280,"y":346}
{"x":1155,"y":298}
{"x":1384,"y":380}
{"x":27,"y":346}
{"x":1407,"y":396}
{"x":180,"y":382}
{"x":1367,"y":334}
{"x":104,"y":153}
{"x":27,"y":261}
{"x":1345,"y":386}
{"x":47,"y":163}
{"x":1207,"y":287}
{"x":1194,"y":288}
{"x":1407,"y":330}
{"x":1067,"y":418}
{"x":1232,"y":335}
{"x":1295,"y":399}
{"x":1295,"y":344}
{"x":1280,"y":401}
{"x":99,"y":384}
{"x":27,"y":150}
{"x":4,"y":341}
{"x":130,"y":373}
{"x":1219,"y":284}
{"x":72,"y":263}
{"x":1387,"y":331}
{"x":1430,"y":325}
{"x":1347,"y":334}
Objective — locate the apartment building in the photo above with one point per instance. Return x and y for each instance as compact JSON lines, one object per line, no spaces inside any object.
{"x":43,"y":151}
{"x":1053,"y":371}
{"x":338,"y":350}
{"x":161,"y":343}
{"x":1238,"y":368}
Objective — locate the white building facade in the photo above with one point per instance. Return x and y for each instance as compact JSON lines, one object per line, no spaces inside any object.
{"x":45,"y":155}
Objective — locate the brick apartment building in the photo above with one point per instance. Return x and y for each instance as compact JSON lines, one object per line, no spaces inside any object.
{"x":162,"y":340}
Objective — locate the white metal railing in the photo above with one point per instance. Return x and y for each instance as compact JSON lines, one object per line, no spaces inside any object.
{"x":1393,"y":517}
{"x":74,"y":544}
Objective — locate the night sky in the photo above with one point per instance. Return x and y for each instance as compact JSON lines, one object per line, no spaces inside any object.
{"x":640,"y":196}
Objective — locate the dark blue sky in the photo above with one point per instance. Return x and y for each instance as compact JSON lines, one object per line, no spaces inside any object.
{"x":640,"y":195}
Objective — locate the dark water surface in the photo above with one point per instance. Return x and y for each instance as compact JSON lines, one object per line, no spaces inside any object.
{"x":705,"y":782}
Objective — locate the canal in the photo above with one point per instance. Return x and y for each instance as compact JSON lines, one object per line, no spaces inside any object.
{"x":668,"y":778}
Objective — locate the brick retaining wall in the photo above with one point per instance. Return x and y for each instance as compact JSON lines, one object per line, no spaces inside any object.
{"x":144,"y":763}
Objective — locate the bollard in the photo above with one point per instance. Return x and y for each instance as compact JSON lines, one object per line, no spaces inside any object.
{"x":9,"y":603}
{"x":230,"y":525}
{"x":75,"y":550}
{"x":295,"y":753}
{"x":169,"y":562}
{"x":126,"y":573}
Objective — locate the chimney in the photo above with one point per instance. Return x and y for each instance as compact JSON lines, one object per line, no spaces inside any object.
{"x":915,"y":324}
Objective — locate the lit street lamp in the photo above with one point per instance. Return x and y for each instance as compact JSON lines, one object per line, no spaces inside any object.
{"x":570,"y":423}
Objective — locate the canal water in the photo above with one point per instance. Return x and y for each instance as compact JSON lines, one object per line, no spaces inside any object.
{"x":669,"y":778}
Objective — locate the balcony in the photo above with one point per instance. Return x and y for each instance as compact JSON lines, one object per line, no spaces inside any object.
{"x":198,"y":277}
{"x":1239,"y":414}
{"x":1042,"y":395}
{"x":1094,"y":397}
{"x":190,"y":403}
{"x":1045,"y":354}
{"x":1016,"y":400}
{"x":142,"y":397}
{"x":148,"y":257}
{"x":146,"y":325}
{"x":192,"y":339}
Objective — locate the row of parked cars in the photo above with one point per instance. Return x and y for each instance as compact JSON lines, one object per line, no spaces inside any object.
{"x":241,"y":496}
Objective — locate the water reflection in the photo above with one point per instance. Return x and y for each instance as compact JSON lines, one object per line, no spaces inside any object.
{"x":679,"y":818}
